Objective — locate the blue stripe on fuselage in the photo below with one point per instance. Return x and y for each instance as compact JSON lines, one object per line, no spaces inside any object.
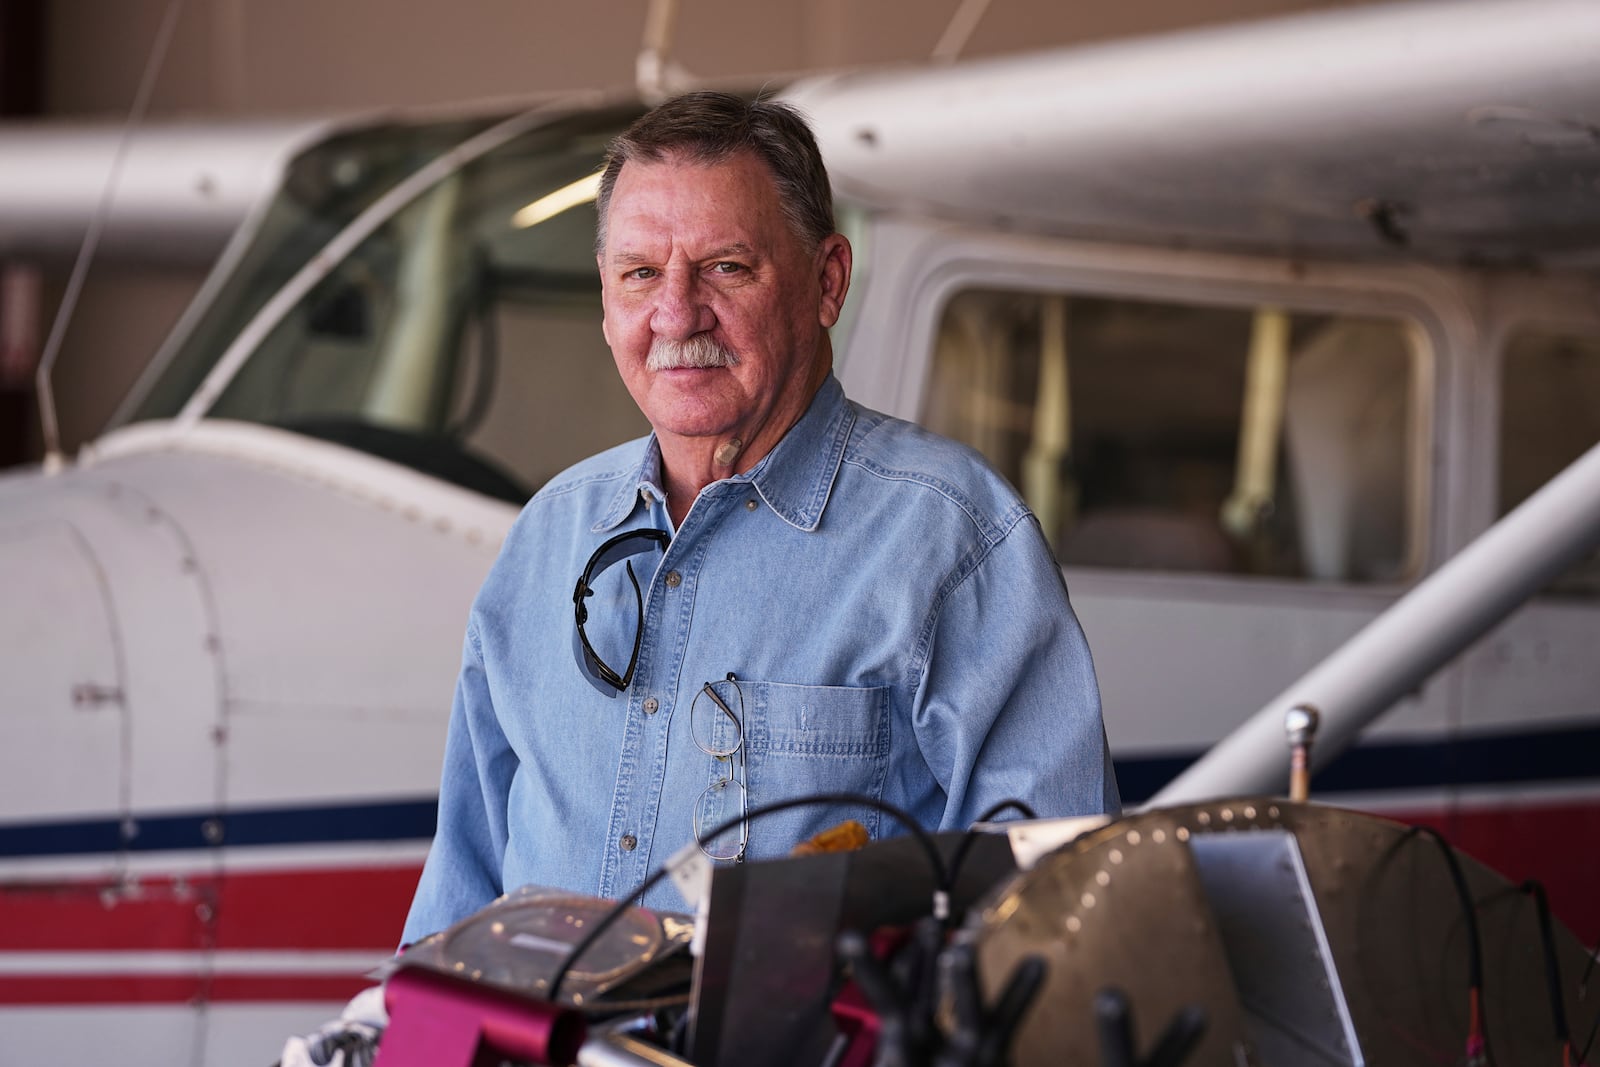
{"x":1500,"y":759}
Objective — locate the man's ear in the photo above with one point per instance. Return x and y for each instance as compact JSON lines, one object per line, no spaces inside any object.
{"x":833,"y":275}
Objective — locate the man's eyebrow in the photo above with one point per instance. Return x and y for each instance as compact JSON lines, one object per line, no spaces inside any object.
{"x":738,"y":248}
{"x":626,"y":258}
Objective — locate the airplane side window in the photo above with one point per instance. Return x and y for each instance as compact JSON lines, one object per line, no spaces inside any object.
{"x":1549,"y":416}
{"x":1181,"y":438}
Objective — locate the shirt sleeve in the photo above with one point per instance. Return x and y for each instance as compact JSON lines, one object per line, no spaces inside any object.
{"x":463,"y":870}
{"x":1008,"y":707}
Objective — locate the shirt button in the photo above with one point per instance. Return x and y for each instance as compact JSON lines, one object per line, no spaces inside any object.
{"x":628,"y":842}
{"x":650,"y":705}
{"x":749,"y":505}
{"x":674,"y":579}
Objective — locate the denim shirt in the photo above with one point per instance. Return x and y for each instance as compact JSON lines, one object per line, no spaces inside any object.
{"x":890,"y":609}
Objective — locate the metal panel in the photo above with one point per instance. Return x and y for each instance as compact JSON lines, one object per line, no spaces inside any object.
{"x":1256,"y":886}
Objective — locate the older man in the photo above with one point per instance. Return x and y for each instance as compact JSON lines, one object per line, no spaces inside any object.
{"x":777,"y":593}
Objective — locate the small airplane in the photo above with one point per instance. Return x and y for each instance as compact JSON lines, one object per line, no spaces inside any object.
{"x":1268,"y":322}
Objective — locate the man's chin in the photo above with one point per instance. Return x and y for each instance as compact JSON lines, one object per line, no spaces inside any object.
{"x":688,"y":412}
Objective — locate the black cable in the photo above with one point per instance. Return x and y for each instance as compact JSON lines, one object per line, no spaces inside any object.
{"x":1583,"y":985}
{"x":1469,"y":914}
{"x":598,"y":927}
{"x":1013,"y":804}
{"x":959,"y":857}
{"x":1552,"y":966}
{"x":941,"y":879}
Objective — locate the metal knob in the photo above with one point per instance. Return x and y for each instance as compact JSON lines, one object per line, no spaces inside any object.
{"x":1300,"y":725}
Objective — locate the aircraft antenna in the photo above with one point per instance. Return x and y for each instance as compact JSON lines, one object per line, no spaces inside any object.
{"x":959,"y":30}
{"x":652,"y":69}
{"x":53,"y":459}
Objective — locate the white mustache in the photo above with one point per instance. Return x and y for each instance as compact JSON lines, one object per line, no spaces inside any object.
{"x":699,"y":351}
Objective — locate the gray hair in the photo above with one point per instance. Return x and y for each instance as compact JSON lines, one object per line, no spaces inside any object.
{"x":709,"y":128}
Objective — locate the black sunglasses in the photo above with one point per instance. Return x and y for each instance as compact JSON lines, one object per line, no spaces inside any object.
{"x":599,"y":673}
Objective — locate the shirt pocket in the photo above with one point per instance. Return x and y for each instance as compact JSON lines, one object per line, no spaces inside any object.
{"x":811,"y":739}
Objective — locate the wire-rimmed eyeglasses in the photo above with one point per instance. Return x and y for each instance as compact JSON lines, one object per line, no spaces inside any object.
{"x":601,"y":674}
{"x":716,"y":719}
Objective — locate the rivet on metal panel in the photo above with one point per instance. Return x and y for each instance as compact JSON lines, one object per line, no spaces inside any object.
{"x":1074,"y":924}
{"x":1249,"y":811}
{"x":87,"y":694}
{"x":1115,"y":855}
{"x":1133,"y":837}
{"x":1088,"y":900}
{"x":1227,"y":814}
{"x":1103,"y":877}
{"x":1183,"y":833}
{"x":211,"y":830}
{"x":1273,"y":812}
{"x":1203,"y":818}
{"x":1158,"y":835}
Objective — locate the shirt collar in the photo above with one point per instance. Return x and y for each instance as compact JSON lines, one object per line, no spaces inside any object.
{"x":794,"y":479}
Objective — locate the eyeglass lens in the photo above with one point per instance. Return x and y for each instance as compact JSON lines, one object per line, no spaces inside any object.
{"x":716,"y":719}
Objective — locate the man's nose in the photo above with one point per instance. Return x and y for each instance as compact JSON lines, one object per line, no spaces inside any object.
{"x":681,"y":308}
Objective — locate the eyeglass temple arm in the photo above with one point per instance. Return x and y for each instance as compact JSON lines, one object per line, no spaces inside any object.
{"x":638,"y":634}
{"x":716,"y":699}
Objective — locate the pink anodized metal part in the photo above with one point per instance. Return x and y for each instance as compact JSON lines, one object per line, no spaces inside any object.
{"x":439,"y":1021}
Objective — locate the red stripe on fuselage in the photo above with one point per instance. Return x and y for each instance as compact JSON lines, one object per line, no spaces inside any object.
{"x":55,"y":989}
{"x":349,"y":908}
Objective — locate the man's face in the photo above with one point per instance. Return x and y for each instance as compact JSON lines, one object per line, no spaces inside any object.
{"x":701,"y":267}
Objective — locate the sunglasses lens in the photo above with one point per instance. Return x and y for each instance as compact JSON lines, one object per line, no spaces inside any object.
{"x":590,"y":669}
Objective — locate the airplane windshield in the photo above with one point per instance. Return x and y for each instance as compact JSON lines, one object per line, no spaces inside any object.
{"x":460,"y":338}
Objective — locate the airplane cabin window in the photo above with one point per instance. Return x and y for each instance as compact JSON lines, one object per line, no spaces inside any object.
{"x":1549,"y":416}
{"x":1180,"y":438}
